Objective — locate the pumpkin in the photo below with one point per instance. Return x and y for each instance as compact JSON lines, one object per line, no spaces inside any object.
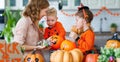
{"x":34,"y":57}
{"x":114,"y":42}
{"x":91,"y":58}
{"x":56,"y":42}
{"x":74,"y":55}
{"x":117,"y":59}
{"x":67,"y":45}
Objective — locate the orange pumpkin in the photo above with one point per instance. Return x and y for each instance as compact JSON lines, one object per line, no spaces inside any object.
{"x":114,"y":42}
{"x":67,"y":45}
{"x":91,"y":58}
{"x":74,"y":55}
{"x":34,"y":57}
{"x":56,"y":42}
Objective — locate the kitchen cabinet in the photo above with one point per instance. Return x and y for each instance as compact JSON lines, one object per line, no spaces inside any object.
{"x":97,"y":4}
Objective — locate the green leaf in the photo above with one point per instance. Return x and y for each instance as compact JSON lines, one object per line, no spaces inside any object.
{"x":117,"y":52}
{"x":12,"y":18}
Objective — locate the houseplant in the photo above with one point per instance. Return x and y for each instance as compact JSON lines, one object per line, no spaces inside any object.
{"x":11,"y":20}
{"x":113,"y":27}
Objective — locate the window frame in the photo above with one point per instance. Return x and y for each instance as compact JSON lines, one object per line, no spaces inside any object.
{"x":19,"y":5}
{"x":71,"y":5}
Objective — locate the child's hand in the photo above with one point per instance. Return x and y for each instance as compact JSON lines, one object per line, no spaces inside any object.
{"x":73,"y":35}
{"x":74,"y":29}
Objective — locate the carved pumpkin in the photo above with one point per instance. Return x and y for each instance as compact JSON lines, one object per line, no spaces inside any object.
{"x":34,"y":57}
{"x":56,"y":42}
{"x":74,"y":55}
{"x":91,"y":58}
{"x":67,"y":45}
{"x":114,"y":42}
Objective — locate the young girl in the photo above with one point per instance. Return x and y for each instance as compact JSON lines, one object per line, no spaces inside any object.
{"x":83,"y":20}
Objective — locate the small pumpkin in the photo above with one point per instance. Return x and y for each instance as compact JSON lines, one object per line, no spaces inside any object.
{"x":74,"y":55}
{"x":34,"y":57}
{"x":117,"y":59}
{"x":56,"y":41}
{"x":91,"y":58}
{"x":114,"y":42}
{"x":67,"y":45}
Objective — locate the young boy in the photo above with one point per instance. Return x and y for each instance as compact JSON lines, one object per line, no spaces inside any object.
{"x":54,"y":27}
{"x":83,"y":20}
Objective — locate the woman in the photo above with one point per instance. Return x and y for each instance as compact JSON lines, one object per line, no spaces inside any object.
{"x":27,"y":29}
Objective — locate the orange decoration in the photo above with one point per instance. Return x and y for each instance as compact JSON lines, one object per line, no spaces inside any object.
{"x":34,"y":57}
{"x":91,"y":58}
{"x":56,"y":40}
{"x":74,"y":55}
{"x":98,"y":13}
{"x":67,"y":45}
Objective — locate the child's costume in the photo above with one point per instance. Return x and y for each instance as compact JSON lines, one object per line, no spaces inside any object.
{"x":57,"y":29}
{"x":86,"y":41}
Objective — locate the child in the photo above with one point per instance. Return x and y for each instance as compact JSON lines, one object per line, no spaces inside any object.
{"x":83,"y":20}
{"x":54,"y":27}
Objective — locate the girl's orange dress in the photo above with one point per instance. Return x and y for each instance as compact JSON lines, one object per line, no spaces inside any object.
{"x":86,"y":41}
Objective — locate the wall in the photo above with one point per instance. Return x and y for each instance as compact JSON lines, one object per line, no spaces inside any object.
{"x":69,"y":21}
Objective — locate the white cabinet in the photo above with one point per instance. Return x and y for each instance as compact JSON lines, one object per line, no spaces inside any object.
{"x":97,"y":4}
{"x":112,"y":4}
{"x":71,"y":4}
{"x":93,"y":4}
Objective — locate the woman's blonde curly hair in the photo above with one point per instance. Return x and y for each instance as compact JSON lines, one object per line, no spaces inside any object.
{"x":34,"y":7}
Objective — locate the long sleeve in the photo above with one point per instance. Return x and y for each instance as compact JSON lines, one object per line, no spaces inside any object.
{"x":86,"y":41}
{"x":21,"y":31}
{"x":61,"y":30}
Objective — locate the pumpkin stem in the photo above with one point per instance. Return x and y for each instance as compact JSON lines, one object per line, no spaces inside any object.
{"x":34,"y":51}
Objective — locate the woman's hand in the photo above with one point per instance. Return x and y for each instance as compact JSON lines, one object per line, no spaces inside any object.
{"x":43,"y":47}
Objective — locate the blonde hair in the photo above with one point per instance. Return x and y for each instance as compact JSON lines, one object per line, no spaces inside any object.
{"x":34,"y":7}
{"x":52,"y":12}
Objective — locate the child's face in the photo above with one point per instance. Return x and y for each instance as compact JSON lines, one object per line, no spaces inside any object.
{"x":79,"y":22}
{"x":51,"y":20}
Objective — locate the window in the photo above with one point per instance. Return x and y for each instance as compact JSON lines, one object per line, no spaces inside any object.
{"x":77,"y":2}
{"x":65,"y":2}
{"x":12,"y":2}
{"x":25,"y":2}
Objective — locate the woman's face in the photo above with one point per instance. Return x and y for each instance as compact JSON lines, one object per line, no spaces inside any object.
{"x":43,"y":12}
{"x":79,"y":22}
